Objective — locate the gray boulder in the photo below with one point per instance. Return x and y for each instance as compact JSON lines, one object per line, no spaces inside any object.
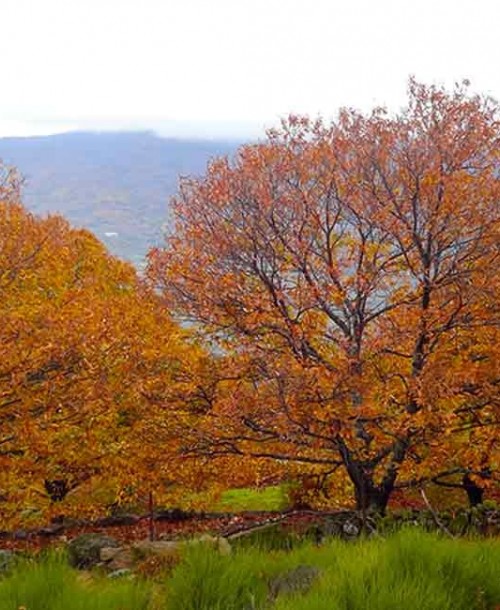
{"x":159,"y":548}
{"x":298,"y":580}
{"x":122,"y":573}
{"x":7,"y":560}
{"x":85,"y":551}
{"x":118,"y":558}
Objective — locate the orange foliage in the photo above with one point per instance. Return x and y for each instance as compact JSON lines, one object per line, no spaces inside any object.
{"x":86,"y":352}
{"x":348,"y":274}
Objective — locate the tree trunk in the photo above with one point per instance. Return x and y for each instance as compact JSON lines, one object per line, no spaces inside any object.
{"x":371,"y":499}
{"x":151,"y":520}
{"x":474,"y":492}
{"x":57,"y":489}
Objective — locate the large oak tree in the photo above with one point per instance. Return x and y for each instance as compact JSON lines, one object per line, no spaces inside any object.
{"x":348,"y":272}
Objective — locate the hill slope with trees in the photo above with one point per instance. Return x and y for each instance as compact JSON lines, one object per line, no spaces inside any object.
{"x":116,"y":184}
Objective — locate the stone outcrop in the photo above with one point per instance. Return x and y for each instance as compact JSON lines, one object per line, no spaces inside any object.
{"x":84,"y":551}
{"x":116,"y":558}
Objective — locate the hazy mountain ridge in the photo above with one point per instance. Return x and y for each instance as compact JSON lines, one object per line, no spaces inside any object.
{"x":109,"y":182}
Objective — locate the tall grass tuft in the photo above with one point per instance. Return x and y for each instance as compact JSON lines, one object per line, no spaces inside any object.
{"x":50,"y":584}
{"x":208,"y":580}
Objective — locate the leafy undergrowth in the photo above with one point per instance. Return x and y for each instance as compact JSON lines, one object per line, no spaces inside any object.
{"x":407,"y":570}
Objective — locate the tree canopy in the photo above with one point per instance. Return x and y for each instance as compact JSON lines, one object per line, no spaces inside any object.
{"x":86,"y":349}
{"x":348,"y":274}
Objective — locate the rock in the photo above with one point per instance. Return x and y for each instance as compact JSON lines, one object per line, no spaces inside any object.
{"x":223,"y":546}
{"x":121,"y":573}
{"x":121,"y":558}
{"x":173,"y":514}
{"x":117,"y":520}
{"x":165,"y":548}
{"x":162,"y":548}
{"x":7,"y":560}
{"x":350,"y":529}
{"x":52,"y":530}
{"x":108,"y":553}
{"x":116,"y":557}
{"x":298,"y":580}
{"x":329,"y":528}
{"x":84,"y":551}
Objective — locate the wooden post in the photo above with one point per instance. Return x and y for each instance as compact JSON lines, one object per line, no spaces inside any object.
{"x":152,"y":535}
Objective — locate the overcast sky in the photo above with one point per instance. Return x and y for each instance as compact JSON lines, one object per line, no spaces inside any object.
{"x":228,"y":67}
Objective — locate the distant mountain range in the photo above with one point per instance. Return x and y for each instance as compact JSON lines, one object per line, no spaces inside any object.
{"x":117,"y":184}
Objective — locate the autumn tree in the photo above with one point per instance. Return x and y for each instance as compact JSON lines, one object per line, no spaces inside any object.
{"x":347,"y":273}
{"x":85,"y":349}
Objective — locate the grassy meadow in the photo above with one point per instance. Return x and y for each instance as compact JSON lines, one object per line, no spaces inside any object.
{"x":273,"y":497}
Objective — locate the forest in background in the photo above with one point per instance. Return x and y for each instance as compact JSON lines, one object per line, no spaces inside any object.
{"x":110,"y":183}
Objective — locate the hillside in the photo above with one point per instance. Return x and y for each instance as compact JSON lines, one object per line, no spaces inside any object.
{"x":117,"y":184}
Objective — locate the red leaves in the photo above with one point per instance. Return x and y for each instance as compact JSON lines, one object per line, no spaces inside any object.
{"x":363,"y":251}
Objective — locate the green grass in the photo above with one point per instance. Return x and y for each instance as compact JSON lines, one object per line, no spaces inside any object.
{"x":50,"y":584}
{"x":411,"y":570}
{"x":207,"y":580}
{"x":407,"y":570}
{"x":267,"y":498}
